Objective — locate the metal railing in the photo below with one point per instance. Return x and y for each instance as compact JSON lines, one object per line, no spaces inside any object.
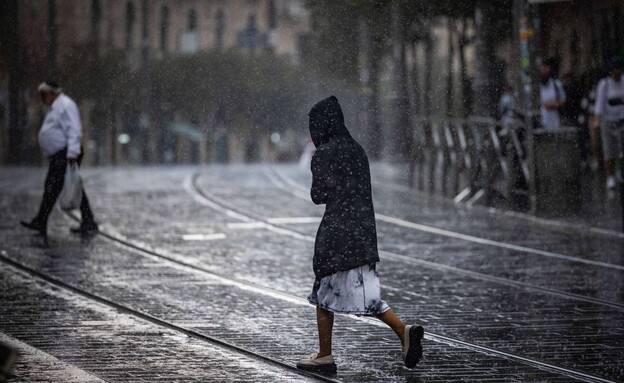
{"x":478,"y":159}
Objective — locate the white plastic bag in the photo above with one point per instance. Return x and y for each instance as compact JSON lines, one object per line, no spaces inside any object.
{"x":72,"y":188}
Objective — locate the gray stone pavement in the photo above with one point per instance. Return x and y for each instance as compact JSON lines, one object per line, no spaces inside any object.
{"x":600,"y":209}
{"x":227,"y":255}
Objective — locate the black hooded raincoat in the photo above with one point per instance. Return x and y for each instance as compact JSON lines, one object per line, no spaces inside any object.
{"x":346,"y":238}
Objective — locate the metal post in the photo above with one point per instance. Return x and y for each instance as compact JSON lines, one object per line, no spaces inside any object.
{"x":144,"y":122}
{"x":375,"y":49}
{"x":534,"y":103}
{"x":528,"y":44}
{"x":363,"y":61}
{"x":622,"y":200}
{"x":400,"y":143}
{"x":52,"y":39}
{"x":14,"y":151}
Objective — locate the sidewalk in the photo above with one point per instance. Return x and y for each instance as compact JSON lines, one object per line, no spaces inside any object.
{"x":601,"y":209}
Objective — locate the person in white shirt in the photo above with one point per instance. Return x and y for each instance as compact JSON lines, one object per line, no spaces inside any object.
{"x":59,"y":139}
{"x":609,"y":114}
{"x":552,"y":97}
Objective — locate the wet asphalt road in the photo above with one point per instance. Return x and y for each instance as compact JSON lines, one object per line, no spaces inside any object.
{"x":222,"y":255}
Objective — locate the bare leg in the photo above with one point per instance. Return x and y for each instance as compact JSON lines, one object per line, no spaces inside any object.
{"x":392,"y":320}
{"x":325,"y":323}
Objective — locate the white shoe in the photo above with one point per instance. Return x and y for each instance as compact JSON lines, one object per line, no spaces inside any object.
{"x":325,"y":364}
{"x":611,"y":182}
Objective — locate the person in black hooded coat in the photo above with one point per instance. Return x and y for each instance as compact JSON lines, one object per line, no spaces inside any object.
{"x":347,"y":237}
{"x":345,"y":250}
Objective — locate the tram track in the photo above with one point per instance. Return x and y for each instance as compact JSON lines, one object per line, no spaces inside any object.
{"x":230,"y":210}
{"x":4,"y":258}
{"x":553,"y":224}
{"x":295,"y":190}
{"x":117,"y":239}
{"x":211,"y":201}
{"x":205,"y":198}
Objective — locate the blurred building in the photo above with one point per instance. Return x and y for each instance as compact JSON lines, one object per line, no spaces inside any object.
{"x":189,"y":26}
{"x":582,"y":35}
{"x":175,"y":26}
{"x":94,"y":28}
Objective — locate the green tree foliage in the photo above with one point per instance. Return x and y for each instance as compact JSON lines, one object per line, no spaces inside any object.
{"x":107,"y":79}
{"x":262,"y":90}
{"x":335,"y":25}
{"x":334,"y":47}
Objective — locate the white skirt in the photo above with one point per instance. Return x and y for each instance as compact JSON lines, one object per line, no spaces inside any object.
{"x":356,"y":291}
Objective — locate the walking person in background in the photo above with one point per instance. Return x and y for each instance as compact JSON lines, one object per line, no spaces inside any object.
{"x":59,"y":139}
{"x":506,"y":113}
{"x":506,"y":104}
{"x":345,"y":251}
{"x":552,"y":96}
{"x":609,"y":115}
{"x":588,"y":135}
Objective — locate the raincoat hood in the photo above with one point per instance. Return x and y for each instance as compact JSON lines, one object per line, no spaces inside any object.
{"x":327,"y":121}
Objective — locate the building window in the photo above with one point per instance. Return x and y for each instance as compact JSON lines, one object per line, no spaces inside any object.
{"x":219,"y":29}
{"x":190,"y":38}
{"x":271,"y":14}
{"x":575,"y":45}
{"x":248,"y":37}
{"x":271,"y":35}
{"x":192,"y":20}
{"x":96,"y":17}
{"x":130,"y":21}
{"x":610,"y":32}
{"x":164,"y":29}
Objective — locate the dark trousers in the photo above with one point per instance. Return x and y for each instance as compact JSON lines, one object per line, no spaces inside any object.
{"x":54,"y":185}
